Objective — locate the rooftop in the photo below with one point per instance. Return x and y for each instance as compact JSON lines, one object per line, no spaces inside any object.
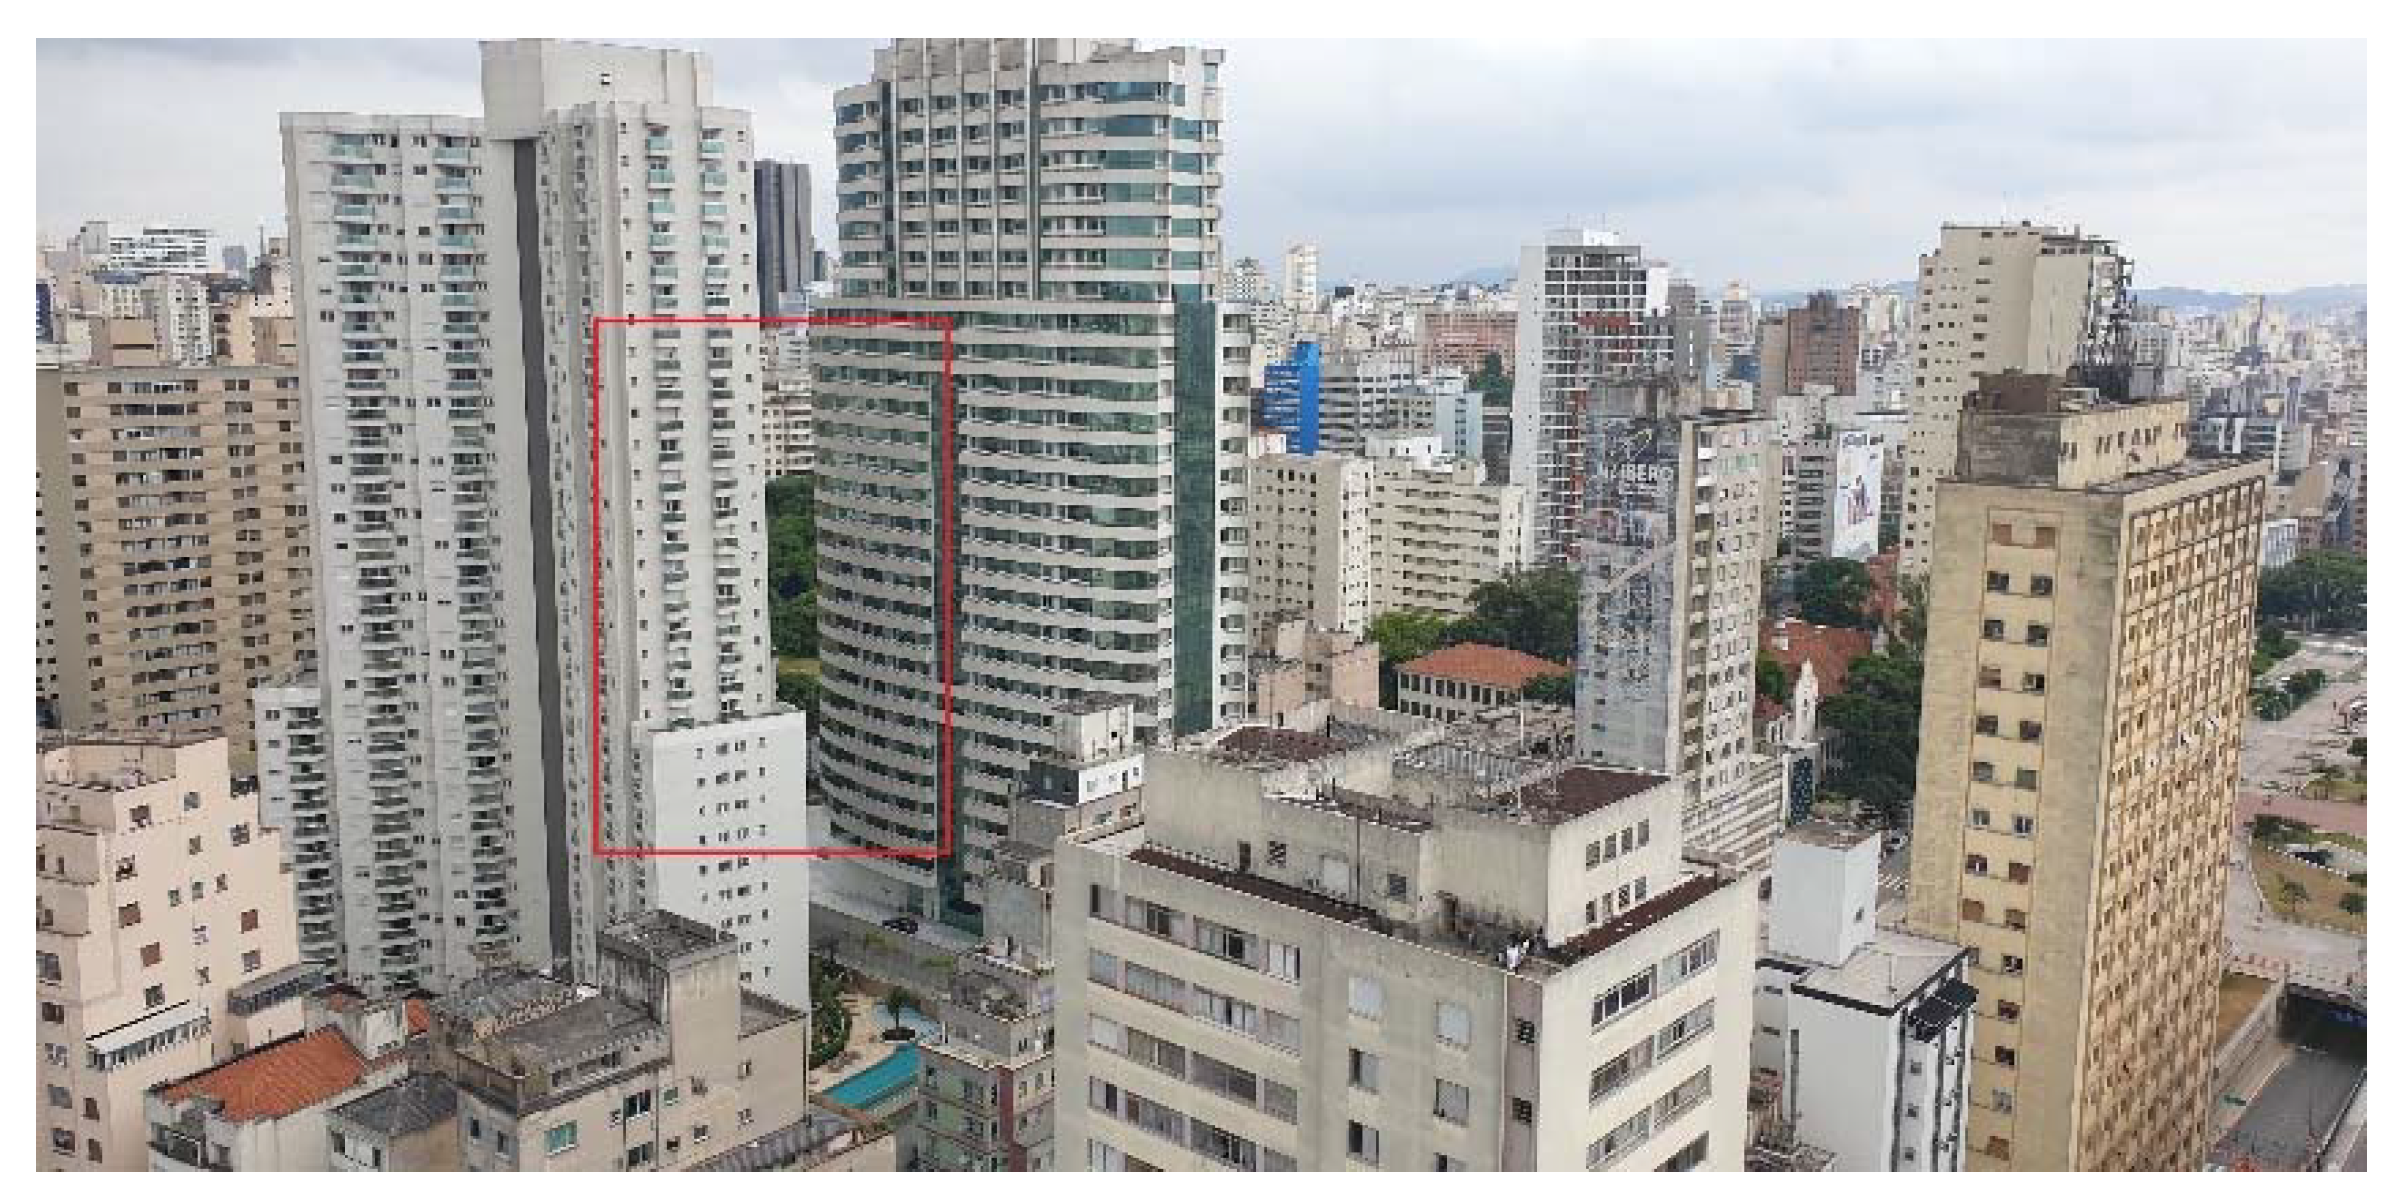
{"x":1579,"y":790}
{"x":1827,"y":834}
{"x":660,"y":936}
{"x":1884,"y":972}
{"x":1485,"y":665}
{"x":277,"y":1080}
{"x":1263,"y":746}
{"x":409,"y":1105}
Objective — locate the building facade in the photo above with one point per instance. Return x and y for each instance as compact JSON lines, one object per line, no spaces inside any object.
{"x":1335,"y":951}
{"x":1993,"y":298}
{"x":1589,"y":307}
{"x":784,"y":195}
{"x":1310,"y":539}
{"x":175,"y":546}
{"x":2087,"y":666}
{"x":1093,"y":505}
{"x":163,"y":938}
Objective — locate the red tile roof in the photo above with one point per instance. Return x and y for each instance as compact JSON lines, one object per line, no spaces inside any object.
{"x":281,"y":1079}
{"x":1487,"y":665}
{"x":1831,"y":650}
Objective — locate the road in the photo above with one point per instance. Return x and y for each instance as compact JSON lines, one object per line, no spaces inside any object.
{"x":2297,"y":1110}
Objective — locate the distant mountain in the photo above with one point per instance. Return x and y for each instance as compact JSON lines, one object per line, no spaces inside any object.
{"x":1487,"y":276}
{"x":2305,"y":301}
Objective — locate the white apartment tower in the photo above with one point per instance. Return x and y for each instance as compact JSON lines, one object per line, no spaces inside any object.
{"x":1993,"y":298}
{"x":1589,"y":306}
{"x":452,"y":268}
{"x":1300,"y":286}
{"x":1054,"y":201}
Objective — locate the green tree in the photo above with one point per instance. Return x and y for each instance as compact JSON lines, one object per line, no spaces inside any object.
{"x":1875,"y":718}
{"x":792,"y":565}
{"x":1530,"y":611}
{"x":1774,"y":681}
{"x":2323,"y":590}
{"x":1833,"y":591}
{"x":1491,"y":379}
{"x":1908,"y":623}
{"x":2353,"y":902}
{"x":1402,"y":636}
{"x":1552,"y":688}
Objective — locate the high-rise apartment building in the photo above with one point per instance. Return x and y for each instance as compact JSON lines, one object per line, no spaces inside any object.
{"x":1821,"y":346}
{"x":1359,"y":945}
{"x":1310,"y":537}
{"x":1437,"y":530}
{"x":1300,"y":284}
{"x":1461,"y":339}
{"x":1054,"y":201}
{"x":1992,"y":298}
{"x":1589,"y":307}
{"x":175,"y":546}
{"x":162,"y":935}
{"x":1682,"y":514}
{"x":454,"y":267}
{"x":1246,"y":282}
{"x":2087,"y":666}
{"x":1357,"y":394}
{"x":787,"y":241}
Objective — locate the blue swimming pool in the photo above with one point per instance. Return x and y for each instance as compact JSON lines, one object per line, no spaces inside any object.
{"x":877,"y":1083}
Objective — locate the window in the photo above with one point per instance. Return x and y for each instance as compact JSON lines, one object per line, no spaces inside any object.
{"x":2029,"y":730}
{"x":1526,"y":1031}
{"x":2036,"y":684}
{"x":1994,"y":630}
{"x":250,"y":920}
{"x":154,"y":996}
{"x":2041,"y":584}
{"x":2037,"y":634}
{"x":1625,"y":996}
{"x":1283,"y":961}
{"x":1979,"y":817}
{"x":150,"y":954}
{"x":1978,"y":864}
{"x":1691,"y":959}
{"x":1687,"y":1027}
{"x":1366,"y":998}
{"x":1691,"y":1156}
{"x":1447,"y":1164}
{"x":559,"y":1139}
{"x":2003,"y":1101}
{"x":637,"y":1156}
{"x":1451,"y":1024}
{"x":1395,"y":886}
{"x":1622,"y":1068}
{"x":1987,"y":725}
{"x":129,"y":915}
{"x":2028,"y":779}
{"x":1521,"y":1110}
{"x":2022,"y":825}
{"x":2011,"y":964}
{"x":1449,"y":1102}
{"x":1365,"y":1071}
{"x":1995,"y":581}
{"x":637,"y":1105}
{"x":1365,"y":1144}
{"x":1277,"y":852}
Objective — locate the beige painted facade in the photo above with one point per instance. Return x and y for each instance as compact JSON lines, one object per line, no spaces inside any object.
{"x":1309,"y":539}
{"x":176,"y":545}
{"x":2087,"y":663}
{"x":157,"y":895}
{"x":1992,"y":298}
{"x":1413,"y":974}
{"x":1438,"y":531}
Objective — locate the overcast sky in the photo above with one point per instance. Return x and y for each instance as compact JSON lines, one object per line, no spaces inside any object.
{"x":2231,"y":165}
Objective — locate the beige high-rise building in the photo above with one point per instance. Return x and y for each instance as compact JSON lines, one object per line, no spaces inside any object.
{"x":175,"y":545}
{"x":163,"y":936}
{"x":1437,"y":530}
{"x":2087,"y":664}
{"x":1309,"y":538}
{"x":1992,"y":298}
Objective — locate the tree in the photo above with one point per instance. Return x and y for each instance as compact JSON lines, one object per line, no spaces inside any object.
{"x":2353,"y":903}
{"x":1773,"y":680}
{"x":1875,"y":717}
{"x":1833,"y":591}
{"x":1530,"y":611}
{"x":792,"y":565}
{"x":2323,"y":590}
{"x":1557,"y":688}
{"x":1491,"y":379}
{"x":1402,"y":636}
{"x":1909,"y":622}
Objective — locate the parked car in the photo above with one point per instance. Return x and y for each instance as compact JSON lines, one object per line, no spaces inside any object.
{"x":1893,"y":842}
{"x":903,"y":924}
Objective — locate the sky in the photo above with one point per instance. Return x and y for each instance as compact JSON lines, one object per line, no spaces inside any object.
{"x":2217,"y":164}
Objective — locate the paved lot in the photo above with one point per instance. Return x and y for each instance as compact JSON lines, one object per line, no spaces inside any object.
{"x":2278,"y":756}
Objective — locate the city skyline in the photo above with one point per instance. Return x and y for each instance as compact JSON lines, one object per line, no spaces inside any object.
{"x":1776,"y":166}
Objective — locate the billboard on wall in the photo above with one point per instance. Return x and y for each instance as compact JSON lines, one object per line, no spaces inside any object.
{"x":1628,"y":625}
{"x":1855,"y":514}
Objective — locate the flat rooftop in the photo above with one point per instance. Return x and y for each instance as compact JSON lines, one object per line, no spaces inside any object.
{"x":1827,"y":834}
{"x":1884,"y":972}
{"x":1271,"y":747}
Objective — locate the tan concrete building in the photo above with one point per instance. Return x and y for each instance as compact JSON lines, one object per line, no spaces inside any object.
{"x":664,"y":1063}
{"x":1362,"y":947}
{"x":1438,"y":530}
{"x":270,"y":1110}
{"x":1992,"y":298}
{"x":176,"y":545}
{"x":2086,"y":671}
{"x":1309,"y":539}
{"x":1296,"y":664}
{"x":162,"y":935}
{"x":1459,"y":682}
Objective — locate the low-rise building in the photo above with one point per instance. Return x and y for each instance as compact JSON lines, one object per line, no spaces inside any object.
{"x":269,"y":1109}
{"x":1866,"y":1030}
{"x":1461,"y":681}
{"x":410,"y":1126}
{"x":985,"y":1089}
{"x":1297,"y":663}
{"x":1357,"y":946}
{"x":665,"y":1063}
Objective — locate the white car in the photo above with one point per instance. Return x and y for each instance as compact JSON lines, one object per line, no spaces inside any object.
{"x":1893,"y":842}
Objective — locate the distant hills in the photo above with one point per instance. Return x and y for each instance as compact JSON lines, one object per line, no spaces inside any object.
{"x":2308,"y":301}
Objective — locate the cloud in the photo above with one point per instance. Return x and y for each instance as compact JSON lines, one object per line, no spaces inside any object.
{"x":2230,"y":164}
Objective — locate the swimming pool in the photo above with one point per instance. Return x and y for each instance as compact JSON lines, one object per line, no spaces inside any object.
{"x":876,"y":1084}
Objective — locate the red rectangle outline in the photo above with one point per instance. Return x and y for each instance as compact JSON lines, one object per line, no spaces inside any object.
{"x":942,"y":585}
